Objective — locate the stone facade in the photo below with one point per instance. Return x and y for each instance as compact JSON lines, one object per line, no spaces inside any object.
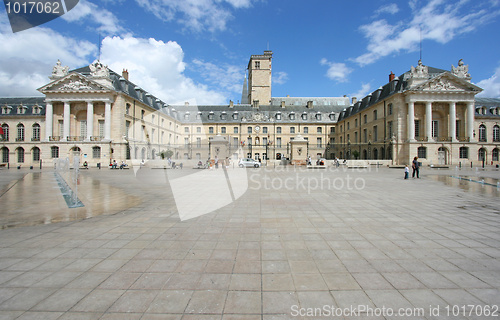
{"x":100,"y":116}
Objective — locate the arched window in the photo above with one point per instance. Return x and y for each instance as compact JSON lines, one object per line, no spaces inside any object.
{"x":494,"y":154}
{"x":422,"y":152}
{"x":464,"y":153}
{"x":496,"y":133}
{"x":36,"y":132}
{"x":143,"y":153}
{"x":54,"y":152}
{"x":481,"y":154}
{"x":153,"y":154}
{"x":36,"y":153}
{"x":5,"y":129}
{"x":5,"y":155}
{"x":20,"y":132}
{"x":20,"y":155}
{"x":375,"y":154}
{"x":482,"y":133}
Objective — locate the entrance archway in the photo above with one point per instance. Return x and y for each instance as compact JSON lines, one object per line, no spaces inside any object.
{"x":442,"y":156}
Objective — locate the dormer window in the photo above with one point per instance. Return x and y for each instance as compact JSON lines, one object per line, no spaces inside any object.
{"x":211,"y":115}
{"x":21,"y":109}
{"x":304,"y":116}
{"x":332,"y":116}
{"x":278,"y":116}
{"x":186,"y":116}
{"x":223,"y":116}
{"x":235,"y":116}
{"x":292,"y":116}
{"x":318,"y":116}
{"x":198,"y":116}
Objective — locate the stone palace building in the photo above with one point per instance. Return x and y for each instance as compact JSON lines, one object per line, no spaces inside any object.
{"x":99,"y":116}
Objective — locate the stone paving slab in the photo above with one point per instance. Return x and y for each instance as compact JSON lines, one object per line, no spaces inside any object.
{"x":295,"y":241}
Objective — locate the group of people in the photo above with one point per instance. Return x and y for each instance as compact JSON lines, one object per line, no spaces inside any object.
{"x":114,"y":165}
{"x":415,"y":165}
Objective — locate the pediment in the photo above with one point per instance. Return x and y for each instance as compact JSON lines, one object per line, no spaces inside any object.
{"x":73,"y":83}
{"x":447,"y":82}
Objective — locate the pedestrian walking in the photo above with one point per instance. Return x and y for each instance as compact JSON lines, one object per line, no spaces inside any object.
{"x":415,"y":167}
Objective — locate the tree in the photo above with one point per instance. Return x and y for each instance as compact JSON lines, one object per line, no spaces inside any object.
{"x":166,"y":154}
{"x":355,"y":153}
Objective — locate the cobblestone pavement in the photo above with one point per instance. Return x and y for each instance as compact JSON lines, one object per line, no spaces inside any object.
{"x":298,"y":244}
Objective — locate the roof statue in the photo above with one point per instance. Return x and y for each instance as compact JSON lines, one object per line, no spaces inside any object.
{"x":97,"y":69}
{"x":420,"y":71}
{"x":58,"y":71}
{"x":462,"y":71}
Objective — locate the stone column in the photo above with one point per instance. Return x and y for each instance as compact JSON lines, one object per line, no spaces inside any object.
{"x":411,"y":121}
{"x":49,"y":115}
{"x":470,"y":120}
{"x":453,"y":121}
{"x":66,"y":121}
{"x":90,"y":120}
{"x":428,"y":120}
{"x":107,"y":121}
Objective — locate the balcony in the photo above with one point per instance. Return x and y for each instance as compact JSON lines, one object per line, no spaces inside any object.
{"x":35,"y":139}
{"x":463,"y":139}
{"x":421,"y":138}
{"x":19,"y":139}
{"x":443,"y":139}
{"x":54,"y":138}
{"x":75,"y":138}
{"x":96,"y":138}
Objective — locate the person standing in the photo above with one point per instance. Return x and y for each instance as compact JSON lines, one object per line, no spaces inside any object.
{"x":415,"y":167}
{"x":407,"y":171}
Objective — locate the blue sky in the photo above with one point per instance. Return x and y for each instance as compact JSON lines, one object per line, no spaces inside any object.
{"x":197,"y":50}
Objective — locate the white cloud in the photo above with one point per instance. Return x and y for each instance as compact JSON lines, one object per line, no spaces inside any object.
{"x":491,"y":86}
{"x":437,"y":20}
{"x":390,"y":8}
{"x":158,"y":68}
{"x":28,"y":57}
{"x":85,"y":11}
{"x":225,"y":76}
{"x":336,"y":71}
{"x":280,"y":77}
{"x":362,"y":92}
{"x":196,"y":15}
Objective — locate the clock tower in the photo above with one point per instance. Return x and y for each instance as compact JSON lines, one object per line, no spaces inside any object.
{"x":259,"y":78}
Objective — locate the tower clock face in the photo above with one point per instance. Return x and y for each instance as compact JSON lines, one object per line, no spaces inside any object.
{"x":257,"y":129}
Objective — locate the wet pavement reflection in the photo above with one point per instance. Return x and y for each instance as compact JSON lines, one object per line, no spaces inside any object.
{"x":36,"y":199}
{"x":475,"y":184}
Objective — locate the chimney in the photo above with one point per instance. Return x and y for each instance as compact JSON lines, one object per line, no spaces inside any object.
{"x":354,"y":100}
{"x":125,"y":74}
{"x":186,"y":104}
{"x":391,"y":76}
{"x":309,"y":104}
{"x":256,"y":103}
{"x":231,"y":103}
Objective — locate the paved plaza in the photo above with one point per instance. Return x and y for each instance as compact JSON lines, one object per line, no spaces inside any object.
{"x":298,"y":244}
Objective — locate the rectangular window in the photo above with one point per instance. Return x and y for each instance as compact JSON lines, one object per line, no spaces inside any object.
{"x":5,"y":128}
{"x":319,"y":143}
{"x":127,"y":109}
{"x":186,"y":142}
{"x":61,"y":128}
{"x":127,"y":128}
{"x":278,"y":130}
{"x":101,"y":128}
{"x":264,"y":130}
{"x":198,"y":142}
{"x":264,"y":141}
{"x":162,"y":135}
{"x":417,"y":128}
{"x":365,"y":119}
{"x":332,"y":129}
{"x":257,"y":64}
{"x":356,"y":137}
{"x":292,"y":129}
{"x":235,"y":141}
{"x":36,"y":132}
{"x":355,"y":123}
{"x":210,"y":130}
{"x":278,"y":142}
{"x":223,"y":130}
{"x":389,"y":129}
{"x":365,"y":136}
{"x":235,"y":130}
{"x":435,"y":128}
{"x":20,"y":155}
{"x":96,"y":152}
{"x":83,"y":128}
{"x":374,"y":114}
{"x":249,"y":130}
{"x":153,"y":135}
{"x":198,"y":129}
{"x":54,"y":152}
{"x":186,"y":129}
{"x":319,"y":130}
{"x":375,"y":133}
{"x":464,"y":153}
{"x":457,"y":129}
{"x":142,"y":132}
{"x":389,"y":109}
{"x":306,"y":130}
{"x":142,"y":114}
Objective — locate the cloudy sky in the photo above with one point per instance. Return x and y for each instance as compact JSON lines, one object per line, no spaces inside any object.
{"x":198,"y":50}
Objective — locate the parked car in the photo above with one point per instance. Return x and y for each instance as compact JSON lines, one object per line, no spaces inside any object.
{"x":247,"y":162}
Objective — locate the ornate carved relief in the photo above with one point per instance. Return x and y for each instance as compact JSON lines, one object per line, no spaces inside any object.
{"x":75,"y":85}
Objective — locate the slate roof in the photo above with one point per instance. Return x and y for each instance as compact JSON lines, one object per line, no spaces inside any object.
{"x":28,"y":102}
